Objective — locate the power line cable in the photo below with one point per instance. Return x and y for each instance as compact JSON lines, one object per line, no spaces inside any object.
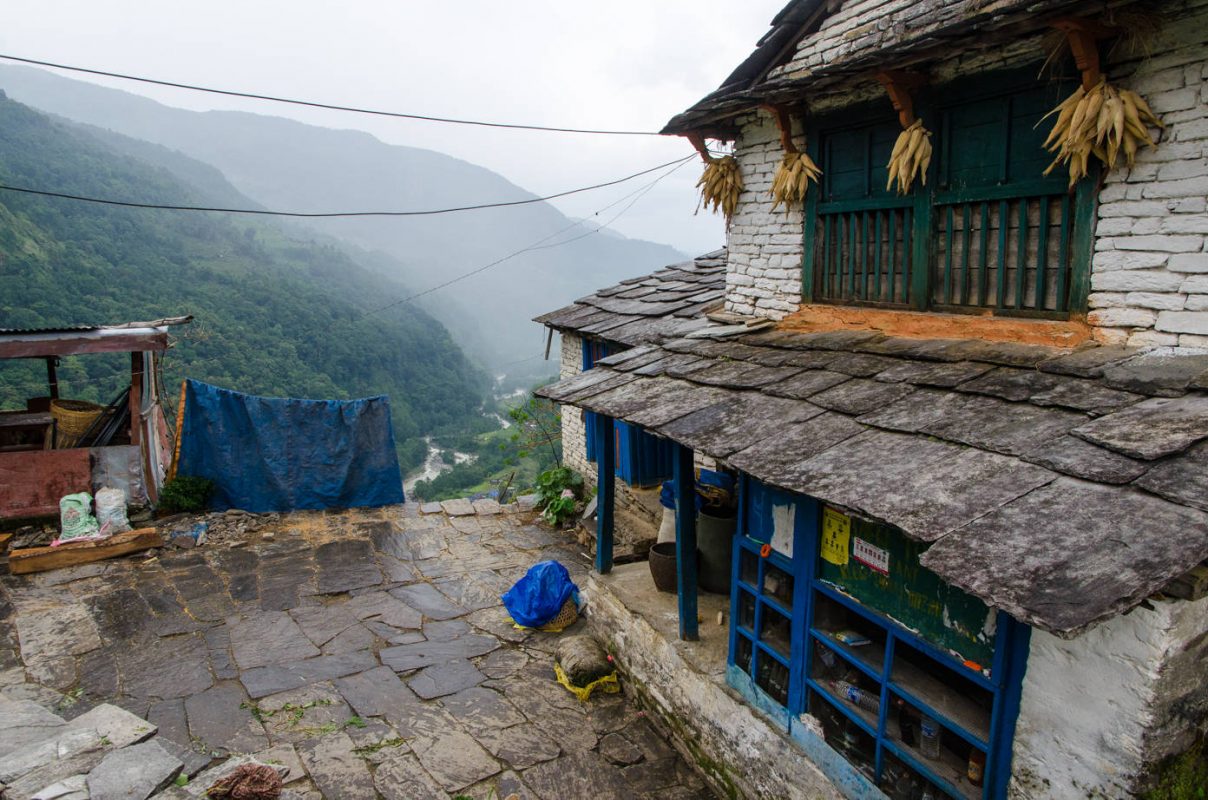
{"x":330,"y":214}
{"x":539,"y":244}
{"x":327,"y":106}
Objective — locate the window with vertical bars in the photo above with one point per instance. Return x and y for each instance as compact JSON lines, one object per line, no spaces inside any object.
{"x":989,"y":231}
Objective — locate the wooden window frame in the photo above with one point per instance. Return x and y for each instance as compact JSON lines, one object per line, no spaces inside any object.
{"x":922,"y":207}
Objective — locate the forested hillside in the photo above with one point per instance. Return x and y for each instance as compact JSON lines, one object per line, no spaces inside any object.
{"x":275,"y":314}
{"x":284,"y":164}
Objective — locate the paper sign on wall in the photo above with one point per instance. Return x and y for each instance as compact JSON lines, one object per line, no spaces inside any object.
{"x":783,"y":525}
{"x":836,"y":532}
{"x":870,"y":555}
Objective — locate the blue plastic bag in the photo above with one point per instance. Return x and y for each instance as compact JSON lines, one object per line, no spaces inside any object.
{"x":537,"y":598}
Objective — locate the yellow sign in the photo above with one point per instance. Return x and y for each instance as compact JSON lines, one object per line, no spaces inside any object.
{"x":836,"y":536}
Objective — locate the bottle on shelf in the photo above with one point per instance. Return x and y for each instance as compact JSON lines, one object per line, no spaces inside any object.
{"x":857,"y":696}
{"x":977,"y":767}
{"x":929,"y":740}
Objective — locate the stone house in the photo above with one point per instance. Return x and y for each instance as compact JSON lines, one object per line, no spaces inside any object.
{"x":972,"y":449}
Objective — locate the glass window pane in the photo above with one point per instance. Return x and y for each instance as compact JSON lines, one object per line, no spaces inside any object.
{"x":746,"y":610}
{"x":742,"y":653}
{"x":778,"y":585}
{"x":748,"y":571}
{"x":773,"y":678}
{"x":777,"y":631}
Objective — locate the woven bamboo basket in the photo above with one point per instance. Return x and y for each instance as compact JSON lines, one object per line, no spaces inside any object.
{"x":72,"y":419}
{"x":565,"y":617}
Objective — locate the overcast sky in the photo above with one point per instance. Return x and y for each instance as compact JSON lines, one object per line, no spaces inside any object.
{"x":626,"y":64}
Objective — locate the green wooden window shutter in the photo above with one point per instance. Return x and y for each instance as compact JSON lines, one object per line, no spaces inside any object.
{"x":989,"y":231}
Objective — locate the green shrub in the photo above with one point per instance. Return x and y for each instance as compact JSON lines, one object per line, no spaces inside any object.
{"x":558,"y":493}
{"x":185,"y":493}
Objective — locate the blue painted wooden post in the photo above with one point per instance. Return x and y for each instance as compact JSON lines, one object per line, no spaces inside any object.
{"x":685,"y":541}
{"x":605,"y":492}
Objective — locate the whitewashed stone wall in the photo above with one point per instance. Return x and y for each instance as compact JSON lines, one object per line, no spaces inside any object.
{"x":574,"y":431}
{"x":1149,"y":282}
{"x":1100,"y":710}
{"x":1149,"y":278}
{"x":763,"y":266}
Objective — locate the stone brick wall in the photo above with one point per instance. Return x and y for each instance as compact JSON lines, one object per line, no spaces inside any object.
{"x":763,"y":267}
{"x":1149,"y":277}
{"x":1100,"y":711}
{"x":574,"y":432}
{"x":1149,"y":283}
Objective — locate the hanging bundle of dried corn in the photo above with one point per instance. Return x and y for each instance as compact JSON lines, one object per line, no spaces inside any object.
{"x":720,"y":185}
{"x":910,"y":158}
{"x":792,"y":180}
{"x":1103,"y":122}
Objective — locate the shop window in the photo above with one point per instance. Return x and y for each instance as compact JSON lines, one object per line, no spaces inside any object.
{"x":914,"y":682}
{"x":988,"y":231}
{"x":641,"y":459}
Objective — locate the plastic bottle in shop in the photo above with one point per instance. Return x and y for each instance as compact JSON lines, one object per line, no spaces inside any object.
{"x":929,"y":739}
{"x":857,"y":697}
{"x":977,"y":767}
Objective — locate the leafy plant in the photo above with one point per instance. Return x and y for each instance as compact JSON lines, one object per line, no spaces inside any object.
{"x":185,"y":493}
{"x":558,"y":493}
{"x":1184,"y":777}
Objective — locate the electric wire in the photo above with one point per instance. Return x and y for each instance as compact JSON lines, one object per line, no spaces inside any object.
{"x":331,"y":214}
{"x":326,"y":106}
{"x":539,"y":244}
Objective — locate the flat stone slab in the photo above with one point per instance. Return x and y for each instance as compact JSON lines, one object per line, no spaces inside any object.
{"x":1152,"y":429}
{"x":269,"y":638}
{"x":335,"y":768}
{"x":133,"y":773}
{"x":439,"y":680}
{"x":1073,"y":456}
{"x":406,"y":657}
{"x":166,"y":668}
{"x":584,"y":774}
{"x":386,"y":608}
{"x":117,"y":725}
{"x":487,"y":507}
{"x":323,"y":623}
{"x":619,"y":750}
{"x":1086,"y":572}
{"x":482,"y":709}
{"x":64,"y":744}
{"x":431,"y":508}
{"x":263,"y":681}
{"x":454,"y":759}
{"x":375,"y":693}
{"x":521,"y":746}
{"x":1183,"y":479}
{"x":424,"y":598}
{"x":400,"y":777}
{"x":460,"y":507}
{"x":1163,"y":376}
{"x":23,"y":722}
{"x":346,"y":564}
{"x":217,"y":718}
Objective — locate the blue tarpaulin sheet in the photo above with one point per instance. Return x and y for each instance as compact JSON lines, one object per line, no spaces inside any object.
{"x":537,"y":598}
{"x":277,"y":454}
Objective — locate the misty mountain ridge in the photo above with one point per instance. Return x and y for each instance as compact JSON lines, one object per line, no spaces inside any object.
{"x":287,"y":165}
{"x":275,"y":315}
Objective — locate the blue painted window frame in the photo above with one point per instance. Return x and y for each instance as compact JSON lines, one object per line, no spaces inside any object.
{"x":641,"y":458}
{"x":1004,"y":682}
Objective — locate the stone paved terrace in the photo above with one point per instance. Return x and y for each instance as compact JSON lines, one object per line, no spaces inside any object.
{"x":367,"y":652}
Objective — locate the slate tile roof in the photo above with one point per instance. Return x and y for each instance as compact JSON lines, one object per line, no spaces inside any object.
{"x":1063,"y":486}
{"x":670,"y":302}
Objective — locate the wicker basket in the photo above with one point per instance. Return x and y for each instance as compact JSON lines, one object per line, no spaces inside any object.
{"x":72,"y":419}
{"x":565,"y":617}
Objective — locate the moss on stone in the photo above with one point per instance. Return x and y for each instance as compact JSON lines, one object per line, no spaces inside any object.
{"x":1183,"y":777}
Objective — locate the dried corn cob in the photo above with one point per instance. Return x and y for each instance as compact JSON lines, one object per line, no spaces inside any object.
{"x":792,"y":180}
{"x":1103,"y":122}
{"x":910,"y":158}
{"x":720,"y":185}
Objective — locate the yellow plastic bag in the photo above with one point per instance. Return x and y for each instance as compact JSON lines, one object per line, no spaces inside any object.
{"x":608,"y":684}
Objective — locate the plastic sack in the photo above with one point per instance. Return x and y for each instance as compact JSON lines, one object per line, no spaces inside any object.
{"x":538,"y":597}
{"x":74,"y":518}
{"x":608,"y":684}
{"x":111,"y":511}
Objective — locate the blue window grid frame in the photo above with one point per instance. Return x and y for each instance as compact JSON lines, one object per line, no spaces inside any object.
{"x":1004,"y":682}
{"x":641,"y":459}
